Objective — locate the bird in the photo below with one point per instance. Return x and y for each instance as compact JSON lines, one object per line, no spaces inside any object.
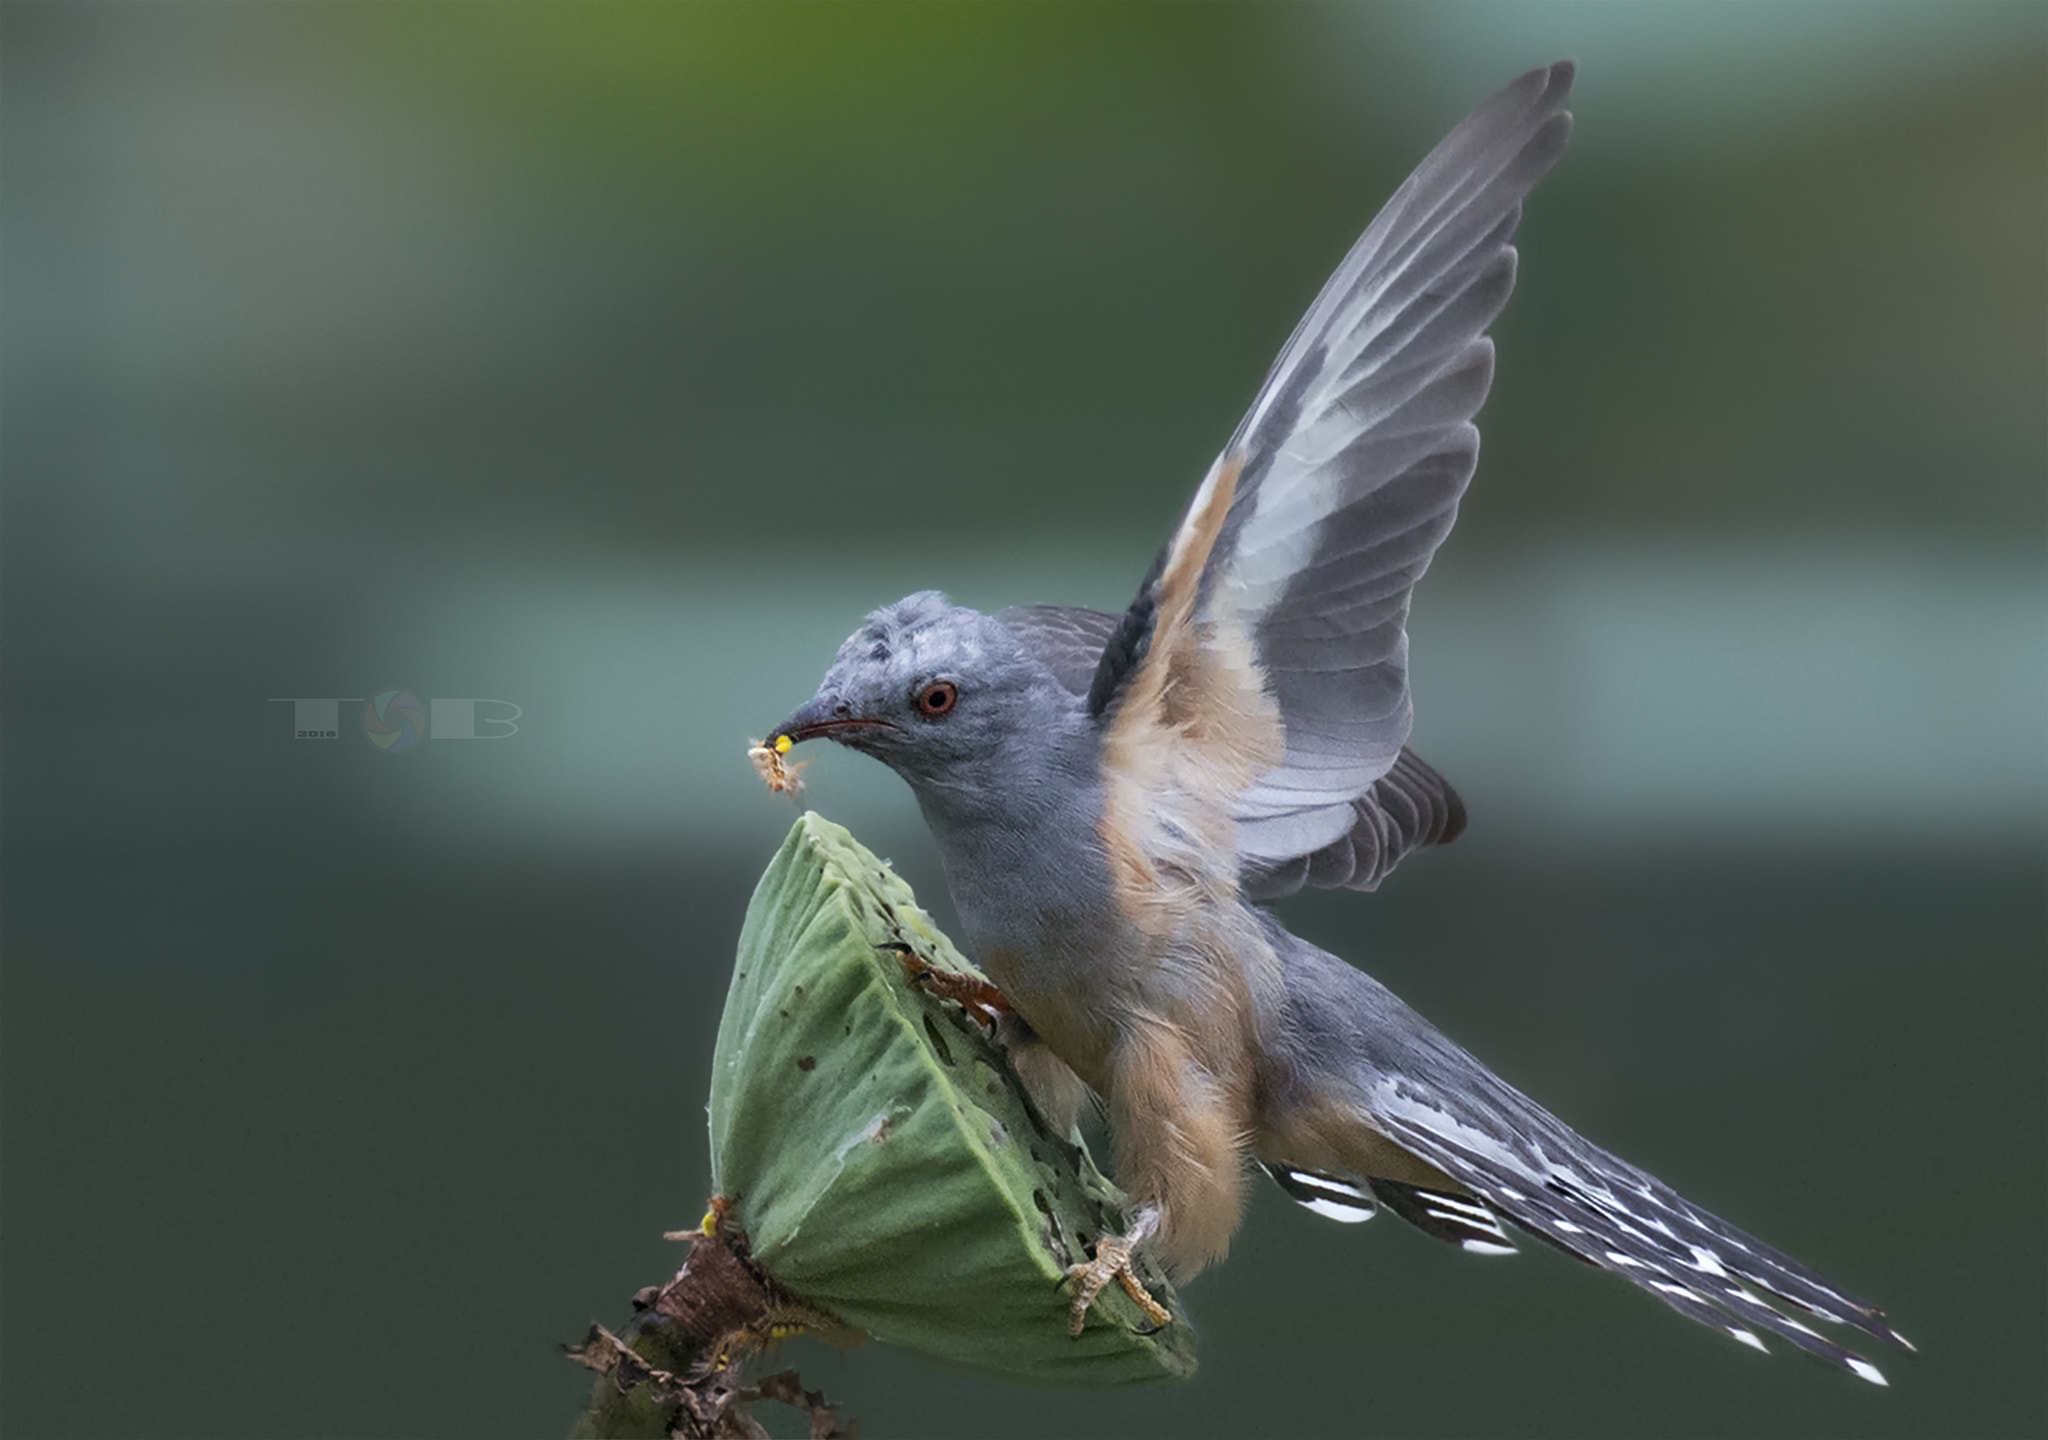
{"x":1117,"y":799}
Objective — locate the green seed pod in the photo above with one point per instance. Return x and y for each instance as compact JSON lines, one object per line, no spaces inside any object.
{"x":881,"y":1156}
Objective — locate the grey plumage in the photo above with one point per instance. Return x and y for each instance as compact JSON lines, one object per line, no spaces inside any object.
{"x":1426,"y":1093}
{"x":1112,"y":795}
{"x":1405,"y":809}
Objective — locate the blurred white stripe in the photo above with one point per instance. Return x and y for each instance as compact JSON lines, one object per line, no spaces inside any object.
{"x":1637,"y":689}
{"x":1609,"y":693}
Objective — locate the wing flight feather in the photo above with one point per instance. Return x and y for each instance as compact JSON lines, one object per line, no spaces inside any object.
{"x":1348,"y":471}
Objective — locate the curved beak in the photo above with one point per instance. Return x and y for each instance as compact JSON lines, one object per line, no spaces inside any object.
{"x":825,"y":715}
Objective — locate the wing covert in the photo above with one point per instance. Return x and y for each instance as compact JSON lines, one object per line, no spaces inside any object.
{"x":1407,"y":808}
{"x":1068,"y":640}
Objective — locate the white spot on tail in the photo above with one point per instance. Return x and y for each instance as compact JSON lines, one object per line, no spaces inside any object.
{"x":1708,"y":1263}
{"x":1455,"y":1209}
{"x":1338,"y":1210}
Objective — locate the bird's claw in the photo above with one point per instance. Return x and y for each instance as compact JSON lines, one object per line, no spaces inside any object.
{"x":971,"y":993}
{"x":1112,"y":1262}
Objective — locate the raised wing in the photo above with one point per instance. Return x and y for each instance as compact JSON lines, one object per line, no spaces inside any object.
{"x":1311,"y":530}
{"x":1407,"y":808}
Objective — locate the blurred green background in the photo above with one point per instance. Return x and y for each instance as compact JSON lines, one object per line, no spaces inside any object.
{"x":613,"y":360}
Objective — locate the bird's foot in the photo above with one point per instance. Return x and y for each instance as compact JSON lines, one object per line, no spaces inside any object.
{"x":971,"y":993}
{"x":1113,"y":1262}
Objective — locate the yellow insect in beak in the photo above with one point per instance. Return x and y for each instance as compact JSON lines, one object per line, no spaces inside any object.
{"x":781,"y":777}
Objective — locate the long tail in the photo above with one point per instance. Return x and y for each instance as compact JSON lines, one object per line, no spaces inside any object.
{"x":1513,"y":1160}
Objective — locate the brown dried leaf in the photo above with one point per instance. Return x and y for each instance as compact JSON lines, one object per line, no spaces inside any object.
{"x":788,"y":1387}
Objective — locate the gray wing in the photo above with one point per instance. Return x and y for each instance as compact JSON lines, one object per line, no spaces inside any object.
{"x":1344,"y":478}
{"x":1407,"y":808}
{"x":1068,"y":640}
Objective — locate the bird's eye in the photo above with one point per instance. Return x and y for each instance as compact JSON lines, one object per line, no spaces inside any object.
{"x":937,"y":698}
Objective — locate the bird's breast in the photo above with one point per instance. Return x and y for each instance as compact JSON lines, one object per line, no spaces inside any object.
{"x":1028,"y":874}
{"x":1053,"y":963}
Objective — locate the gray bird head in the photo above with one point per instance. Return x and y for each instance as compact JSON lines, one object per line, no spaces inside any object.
{"x":941,"y":694}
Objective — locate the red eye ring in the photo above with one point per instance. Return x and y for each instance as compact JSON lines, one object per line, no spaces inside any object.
{"x":938,"y":698}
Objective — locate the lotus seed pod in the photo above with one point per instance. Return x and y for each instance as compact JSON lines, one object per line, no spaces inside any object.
{"x":880,"y":1154}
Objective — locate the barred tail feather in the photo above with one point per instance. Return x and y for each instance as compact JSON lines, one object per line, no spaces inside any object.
{"x":1516,"y":1161}
{"x":1462,"y":1220}
{"x":1345,"y":1201}
{"x":1548,"y":1180}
